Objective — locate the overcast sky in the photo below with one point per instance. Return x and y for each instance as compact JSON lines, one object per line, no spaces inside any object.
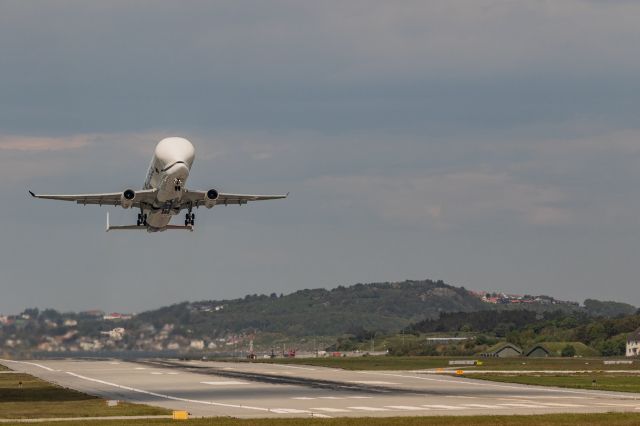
{"x":490,"y":144}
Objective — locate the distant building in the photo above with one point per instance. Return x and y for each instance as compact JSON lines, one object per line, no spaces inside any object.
{"x":116,"y":316}
{"x":502,"y":350}
{"x":197,"y":344}
{"x":554,"y":349}
{"x":633,"y":343}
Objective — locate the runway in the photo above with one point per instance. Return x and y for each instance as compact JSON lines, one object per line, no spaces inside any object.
{"x":248,"y":390}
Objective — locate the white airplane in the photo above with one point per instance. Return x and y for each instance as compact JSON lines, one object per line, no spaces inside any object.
{"x":164,"y":194}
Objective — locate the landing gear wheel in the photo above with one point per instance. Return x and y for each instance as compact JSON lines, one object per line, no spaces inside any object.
{"x":190,"y":219}
{"x":144,"y":220}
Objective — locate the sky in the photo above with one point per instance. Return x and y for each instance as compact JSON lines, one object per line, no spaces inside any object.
{"x":493,"y":144}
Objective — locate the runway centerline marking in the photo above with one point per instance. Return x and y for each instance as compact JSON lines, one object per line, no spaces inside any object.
{"x":160,"y":395}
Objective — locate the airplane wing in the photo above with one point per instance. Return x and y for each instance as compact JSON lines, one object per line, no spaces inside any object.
{"x":145,"y":196}
{"x":198,"y":198}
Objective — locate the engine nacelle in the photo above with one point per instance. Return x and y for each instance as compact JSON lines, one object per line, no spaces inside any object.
{"x":127,"y":198}
{"x":211,"y":198}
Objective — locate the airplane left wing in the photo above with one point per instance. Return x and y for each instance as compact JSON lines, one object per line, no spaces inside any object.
{"x":145,"y":196}
{"x":198,"y":198}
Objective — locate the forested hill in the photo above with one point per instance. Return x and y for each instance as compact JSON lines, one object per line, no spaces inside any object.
{"x":377,"y":307}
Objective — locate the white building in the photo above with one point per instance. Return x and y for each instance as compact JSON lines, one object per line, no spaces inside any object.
{"x":633,"y":343}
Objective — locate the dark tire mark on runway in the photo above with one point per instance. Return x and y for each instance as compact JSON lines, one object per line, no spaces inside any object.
{"x":284,"y":380}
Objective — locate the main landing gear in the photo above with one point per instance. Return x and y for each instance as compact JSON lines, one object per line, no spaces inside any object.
{"x":190,"y":219}
{"x":142,"y":219}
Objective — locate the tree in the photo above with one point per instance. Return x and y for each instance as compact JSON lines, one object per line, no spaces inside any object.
{"x":568,"y":351}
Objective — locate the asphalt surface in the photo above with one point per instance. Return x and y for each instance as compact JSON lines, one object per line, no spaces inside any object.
{"x":247,"y":390}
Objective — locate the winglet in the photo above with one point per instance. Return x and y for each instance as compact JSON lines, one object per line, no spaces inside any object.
{"x":107,"y":230}
{"x":32,"y":194}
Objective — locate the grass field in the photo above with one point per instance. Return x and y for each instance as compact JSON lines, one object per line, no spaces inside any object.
{"x":24,"y":396}
{"x":609,"y":419}
{"x":417,"y":362}
{"x":603,"y":381}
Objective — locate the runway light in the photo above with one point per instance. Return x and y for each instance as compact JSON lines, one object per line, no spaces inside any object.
{"x":459,"y":372}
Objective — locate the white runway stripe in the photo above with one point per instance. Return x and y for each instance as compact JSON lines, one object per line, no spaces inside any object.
{"x":513,"y":404}
{"x":331,"y":410}
{"x":289,"y":411}
{"x":559,"y":404}
{"x":368,"y":408}
{"x":405,"y":407}
{"x":443,"y":407}
{"x":493,"y":407}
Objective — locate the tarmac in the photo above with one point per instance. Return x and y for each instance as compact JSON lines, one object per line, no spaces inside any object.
{"x":251,"y":390}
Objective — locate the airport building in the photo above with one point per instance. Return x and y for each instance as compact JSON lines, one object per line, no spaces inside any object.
{"x":633,"y":343}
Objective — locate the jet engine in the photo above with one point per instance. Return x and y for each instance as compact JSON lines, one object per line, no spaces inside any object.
{"x":210,"y":198}
{"x":127,"y":197}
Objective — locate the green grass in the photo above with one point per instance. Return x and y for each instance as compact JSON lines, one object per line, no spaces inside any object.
{"x":36,"y":398}
{"x":609,"y":419}
{"x":604,"y":381}
{"x":424,"y":362}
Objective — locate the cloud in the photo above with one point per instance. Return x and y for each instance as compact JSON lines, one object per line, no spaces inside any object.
{"x":30,"y":143}
{"x":449,"y":200}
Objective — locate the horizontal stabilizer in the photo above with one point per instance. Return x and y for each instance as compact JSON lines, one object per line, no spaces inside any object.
{"x":125,"y":227}
{"x":143,"y":227}
{"x":186,"y":228}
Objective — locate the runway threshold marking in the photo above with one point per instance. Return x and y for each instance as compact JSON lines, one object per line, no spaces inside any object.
{"x":159,"y":395}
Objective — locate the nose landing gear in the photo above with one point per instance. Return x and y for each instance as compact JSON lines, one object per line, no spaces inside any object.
{"x":190,"y":219}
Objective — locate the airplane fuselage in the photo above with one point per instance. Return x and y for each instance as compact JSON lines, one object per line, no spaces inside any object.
{"x":168,"y":174}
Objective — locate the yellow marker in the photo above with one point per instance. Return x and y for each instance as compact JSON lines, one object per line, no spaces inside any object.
{"x":181,"y":415}
{"x":479,"y":363}
{"x":459,"y":372}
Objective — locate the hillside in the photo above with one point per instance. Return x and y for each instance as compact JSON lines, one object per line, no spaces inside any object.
{"x":379,"y":307}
